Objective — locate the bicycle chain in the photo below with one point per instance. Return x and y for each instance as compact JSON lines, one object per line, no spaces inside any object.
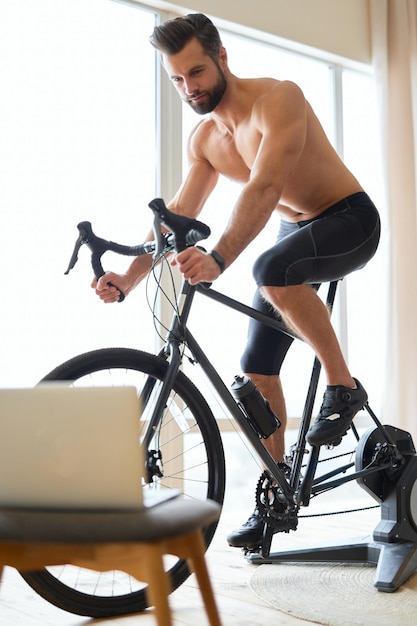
{"x":275,"y":513}
{"x":365,"y":508}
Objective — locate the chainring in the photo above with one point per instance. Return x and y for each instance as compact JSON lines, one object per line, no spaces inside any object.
{"x":273,"y":507}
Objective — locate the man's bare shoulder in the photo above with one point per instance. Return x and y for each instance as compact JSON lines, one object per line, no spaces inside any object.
{"x":278,"y":106}
{"x":282,"y":92}
{"x":204,"y":129}
{"x":205,"y":134}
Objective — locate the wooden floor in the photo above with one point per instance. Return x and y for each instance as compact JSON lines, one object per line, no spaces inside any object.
{"x":230,"y":572}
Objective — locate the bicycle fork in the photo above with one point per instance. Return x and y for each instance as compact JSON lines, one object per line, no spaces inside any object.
{"x":171,"y":353}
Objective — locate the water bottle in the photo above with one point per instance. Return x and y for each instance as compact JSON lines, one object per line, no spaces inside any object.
{"x":255,"y":406}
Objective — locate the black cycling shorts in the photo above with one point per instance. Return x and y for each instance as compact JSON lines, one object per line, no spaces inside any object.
{"x":328,"y":247}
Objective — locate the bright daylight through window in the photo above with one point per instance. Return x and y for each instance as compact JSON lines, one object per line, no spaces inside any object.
{"x":77,"y":122}
{"x":78,"y":125}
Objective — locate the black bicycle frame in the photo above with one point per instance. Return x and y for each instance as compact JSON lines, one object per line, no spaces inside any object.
{"x":179,"y":334}
{"x":299,"y":488}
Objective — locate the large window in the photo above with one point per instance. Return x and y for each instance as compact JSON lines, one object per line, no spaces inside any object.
{"x":77,"y":128}
{"x":365,"y":294}
{"x":344,"y":101}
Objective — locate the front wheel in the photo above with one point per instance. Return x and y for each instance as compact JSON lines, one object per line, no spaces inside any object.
{"x":185,"y":453}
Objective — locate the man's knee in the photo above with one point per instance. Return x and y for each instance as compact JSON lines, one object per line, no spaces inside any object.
{"x":266,"y":383}
{"x":270,"y":268}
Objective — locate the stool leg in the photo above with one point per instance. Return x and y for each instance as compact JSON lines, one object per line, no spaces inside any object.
{"x":198,"y":564}
{"x":158,"y":582}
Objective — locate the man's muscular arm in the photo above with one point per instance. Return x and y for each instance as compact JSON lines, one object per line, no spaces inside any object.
{"x":189,"y":200}
{"x":281,"y":119}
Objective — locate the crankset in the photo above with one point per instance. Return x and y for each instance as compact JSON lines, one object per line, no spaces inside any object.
{"x":277,"y":514}
{"x":273,"y":506}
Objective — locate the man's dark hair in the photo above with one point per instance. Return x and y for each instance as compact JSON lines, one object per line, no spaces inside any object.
{"x":171,"y":36}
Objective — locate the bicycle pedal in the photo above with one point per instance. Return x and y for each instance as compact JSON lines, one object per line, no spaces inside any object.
{"x":247,"y":551}
{"x":333,"y":444}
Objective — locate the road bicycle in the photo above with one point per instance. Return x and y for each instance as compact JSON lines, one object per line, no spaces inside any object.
{"x":184,"y":448}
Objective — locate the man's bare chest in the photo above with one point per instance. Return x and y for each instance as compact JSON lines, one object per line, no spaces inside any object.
{"x":233,"y":154}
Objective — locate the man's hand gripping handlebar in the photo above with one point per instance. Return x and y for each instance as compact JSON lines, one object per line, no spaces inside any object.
{"x":182,"y":232}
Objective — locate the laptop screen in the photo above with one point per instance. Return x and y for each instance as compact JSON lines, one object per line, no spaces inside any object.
{"x":64,"y":447}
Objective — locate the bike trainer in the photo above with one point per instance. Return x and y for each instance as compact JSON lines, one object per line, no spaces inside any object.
{"x":393,"y":545}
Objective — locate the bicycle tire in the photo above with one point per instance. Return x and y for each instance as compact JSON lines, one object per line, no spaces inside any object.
{"x":110,"y":366}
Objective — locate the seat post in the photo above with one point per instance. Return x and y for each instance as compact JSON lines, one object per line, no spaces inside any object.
{"x":305,"y":489}
{"x":331,"y":294}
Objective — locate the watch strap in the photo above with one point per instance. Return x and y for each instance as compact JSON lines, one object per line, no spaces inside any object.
{"x":219,"y":260}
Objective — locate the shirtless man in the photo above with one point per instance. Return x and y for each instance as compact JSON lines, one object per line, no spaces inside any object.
{"x":262,"y":133}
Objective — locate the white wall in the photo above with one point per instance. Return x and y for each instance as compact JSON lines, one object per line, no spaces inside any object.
{"x":340,"y":27}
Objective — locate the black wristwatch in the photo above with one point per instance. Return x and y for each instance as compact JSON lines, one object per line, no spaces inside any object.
{"x":219,"y":260}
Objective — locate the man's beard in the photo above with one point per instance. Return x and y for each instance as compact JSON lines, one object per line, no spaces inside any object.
{"x":211,"y":98}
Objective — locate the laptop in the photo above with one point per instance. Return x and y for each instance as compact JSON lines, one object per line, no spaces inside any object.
{"x":70,"y":448}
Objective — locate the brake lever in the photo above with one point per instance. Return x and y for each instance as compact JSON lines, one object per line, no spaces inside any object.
{"x":159,"y":237}
{"x":86,"y":236}
{"x":86,"y":232}
{"x":74,"y":256}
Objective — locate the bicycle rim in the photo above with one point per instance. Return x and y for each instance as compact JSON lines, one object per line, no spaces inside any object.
{"x":190,"y":445}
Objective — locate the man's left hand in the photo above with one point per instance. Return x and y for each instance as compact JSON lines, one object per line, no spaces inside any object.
{"x":197,"y":266}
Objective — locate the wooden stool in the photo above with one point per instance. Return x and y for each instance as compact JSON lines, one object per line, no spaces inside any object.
{"x":132,"y":541}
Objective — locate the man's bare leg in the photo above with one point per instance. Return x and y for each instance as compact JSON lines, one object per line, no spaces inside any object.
{"x":271,"y":389}
{"x":307,"y":314}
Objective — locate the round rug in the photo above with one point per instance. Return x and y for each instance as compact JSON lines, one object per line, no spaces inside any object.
{"x":334,"y":594}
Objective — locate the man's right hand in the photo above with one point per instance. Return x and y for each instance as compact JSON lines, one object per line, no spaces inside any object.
{"x":109,"y":286}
